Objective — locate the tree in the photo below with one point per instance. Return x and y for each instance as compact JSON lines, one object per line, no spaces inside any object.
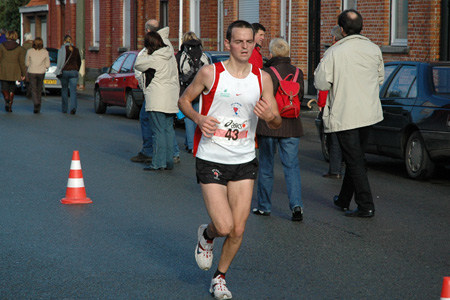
{"x":9,"y":14}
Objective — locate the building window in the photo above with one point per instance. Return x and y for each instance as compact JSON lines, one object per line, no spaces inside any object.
{"x":249,"y":11}
{"x":347,"y":4}
{"x":126,"y":24}
{"x":164,"y":13}
{"x":96,"y":23}
{"x":399,"y":22}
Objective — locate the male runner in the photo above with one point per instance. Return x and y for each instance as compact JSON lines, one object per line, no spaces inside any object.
{"x":224,"y":145}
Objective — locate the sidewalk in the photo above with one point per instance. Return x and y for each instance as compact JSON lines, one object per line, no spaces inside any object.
{"x":87,"y":92}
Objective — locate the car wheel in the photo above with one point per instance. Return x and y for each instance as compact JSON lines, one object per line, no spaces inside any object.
{"x":131,"y":107}
{"x":417,"y":159}
{"x":99,"y":105}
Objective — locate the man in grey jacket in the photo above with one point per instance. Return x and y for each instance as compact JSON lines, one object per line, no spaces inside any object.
{"x":352,"y":70}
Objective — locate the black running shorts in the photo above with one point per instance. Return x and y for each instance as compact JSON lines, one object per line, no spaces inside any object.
{"x":211,"y":172}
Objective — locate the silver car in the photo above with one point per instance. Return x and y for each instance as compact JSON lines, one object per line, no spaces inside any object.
{"x":51,"y":83}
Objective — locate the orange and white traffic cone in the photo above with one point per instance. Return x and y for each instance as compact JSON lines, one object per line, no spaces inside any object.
{"x":75,"y":193}
{"x":445,"y":294}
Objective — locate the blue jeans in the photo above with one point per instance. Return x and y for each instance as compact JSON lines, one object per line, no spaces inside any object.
{"x":289,"y":159}
{"x":163,"y":135}
{"x":147,"y":134}
{"x":69,"y":80}
{"x":190,"y":128}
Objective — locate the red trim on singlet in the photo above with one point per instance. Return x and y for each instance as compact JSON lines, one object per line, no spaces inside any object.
{"x":207,"y":100}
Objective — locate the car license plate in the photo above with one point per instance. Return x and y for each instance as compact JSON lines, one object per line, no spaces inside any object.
{"x":50,"y":81}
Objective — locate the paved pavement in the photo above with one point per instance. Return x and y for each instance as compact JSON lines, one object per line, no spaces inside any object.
{"x":137,"y":239}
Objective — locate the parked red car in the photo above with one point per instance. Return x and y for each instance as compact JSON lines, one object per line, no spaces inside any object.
{"x":117,"y":86}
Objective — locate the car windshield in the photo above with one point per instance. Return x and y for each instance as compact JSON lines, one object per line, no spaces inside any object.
{"x":441,"y":79}
{"x":53,"y":54}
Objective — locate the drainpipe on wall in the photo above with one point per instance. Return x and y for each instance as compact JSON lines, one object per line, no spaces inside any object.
{"x":135,"y":24}
{"x":444,"y":54}
{"x":219,"y":25}
{"x":283,"y":19}
{"x":80,"y":34}
{"x":290,"y":20}
{"x":180,"y":27}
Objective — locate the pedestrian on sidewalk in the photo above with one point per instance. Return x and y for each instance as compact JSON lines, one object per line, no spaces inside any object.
{"x":257,"y":59}
{"x":38,"y":61}
{"x":146,"y":153}
{"x":352,"y":70}
{"x":286,"y":139}
{"x":162,"y":89}
{"x":12,"y":67}
{"x":67,"y":68}
{"x":190,"y":59}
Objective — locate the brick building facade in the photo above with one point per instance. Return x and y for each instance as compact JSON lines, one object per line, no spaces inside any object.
{"x":114,"y":26}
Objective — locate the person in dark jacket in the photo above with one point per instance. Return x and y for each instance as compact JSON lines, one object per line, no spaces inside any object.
{"x":287,"y":138}
{"x":69,"y":63}
{"x":190,"y":59}
{"x":12,"y":67}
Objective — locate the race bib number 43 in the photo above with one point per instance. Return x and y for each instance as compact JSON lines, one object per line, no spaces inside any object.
{"x":232,"y":131}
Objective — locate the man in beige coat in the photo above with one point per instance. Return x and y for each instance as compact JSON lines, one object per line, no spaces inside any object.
{"x":352,"y":70}
{"x":161,"y":97}
{"x":146,"y":153}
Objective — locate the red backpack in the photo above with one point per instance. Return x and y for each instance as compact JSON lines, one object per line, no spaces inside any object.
{"x":287,"y":95}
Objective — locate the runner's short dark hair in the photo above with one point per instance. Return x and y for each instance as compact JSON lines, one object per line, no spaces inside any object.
{"x":238,"y":24}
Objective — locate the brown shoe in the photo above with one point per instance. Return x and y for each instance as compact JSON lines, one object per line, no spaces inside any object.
{"x":333,"y":176}
{"x":142,"y":158}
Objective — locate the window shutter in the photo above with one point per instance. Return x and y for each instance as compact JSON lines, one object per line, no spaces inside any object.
{"x":249,"y":10}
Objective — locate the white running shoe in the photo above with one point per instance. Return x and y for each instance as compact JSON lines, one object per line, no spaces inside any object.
{"x":204,"y":250}
{"x":219,"y":288}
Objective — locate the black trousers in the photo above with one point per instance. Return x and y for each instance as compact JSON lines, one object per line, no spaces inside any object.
{"x":353,"y":144}
{"x":35,"y":85}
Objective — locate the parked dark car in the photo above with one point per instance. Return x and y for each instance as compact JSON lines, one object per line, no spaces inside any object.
{"x":117,"y":86}
{"x":216,"y":56}
{"x":415,"y":97}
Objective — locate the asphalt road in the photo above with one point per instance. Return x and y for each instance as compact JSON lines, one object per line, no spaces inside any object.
{"x":137,"y":239}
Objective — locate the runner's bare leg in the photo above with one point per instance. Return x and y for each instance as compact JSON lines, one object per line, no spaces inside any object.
{"x":229,"y":208}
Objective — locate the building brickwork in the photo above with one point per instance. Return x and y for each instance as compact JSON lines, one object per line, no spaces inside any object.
{"x":423,"y":40}
{"x":423,"y":27}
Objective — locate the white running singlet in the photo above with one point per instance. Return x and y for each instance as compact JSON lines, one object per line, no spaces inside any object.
{"x":231,"y":101}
